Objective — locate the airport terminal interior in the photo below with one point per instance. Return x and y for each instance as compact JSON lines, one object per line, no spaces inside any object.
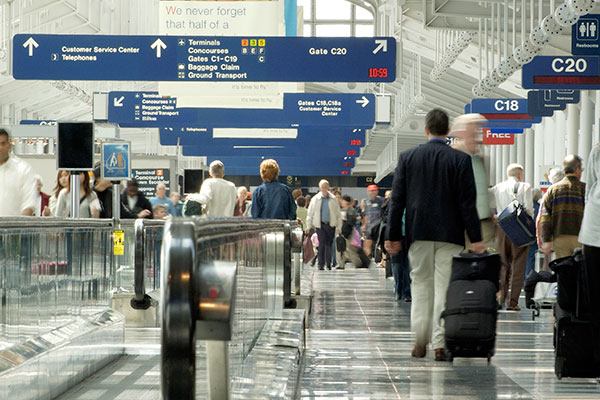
{"x":295,"y":180}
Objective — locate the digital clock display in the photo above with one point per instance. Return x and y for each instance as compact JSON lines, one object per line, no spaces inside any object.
{"x":351,"y":153}
{"x":355,"y":142}
{"x":378,"y":72}
{"x":567,"y":80}
{"x":344,"y":172}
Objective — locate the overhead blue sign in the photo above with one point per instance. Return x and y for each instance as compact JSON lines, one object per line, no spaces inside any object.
{"x":300,"y":166}
{"x":585,"y":39}
{"x":499,"y":106}
{"x":149,"y":109}
{"x":562,"y":72}
{"x":116,"y":163}
{"x":204,"y":58}
{"x":504,"y":111}
{"x":305,"y":137}
{"x":267,"y":151}
{"x":543,"y":103}
{"x":38,"y":122}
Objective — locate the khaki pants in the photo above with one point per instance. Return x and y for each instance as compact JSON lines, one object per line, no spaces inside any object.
{"x":565,"y":245}
{"x":430,"y":268}
{"x":514,"y":262}
{"x":488,"y":233}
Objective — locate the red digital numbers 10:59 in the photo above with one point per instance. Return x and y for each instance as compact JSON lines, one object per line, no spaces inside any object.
{"x":378,"y":72}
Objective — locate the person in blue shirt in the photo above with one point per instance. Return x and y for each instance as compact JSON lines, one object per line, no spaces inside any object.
{"x":161,"y":197}
{"x":272,"y":200}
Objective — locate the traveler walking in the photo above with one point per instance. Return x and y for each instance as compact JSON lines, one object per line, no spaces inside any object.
{"x":324,"y":215}
{"x":372,"y":218}
{"x":17,"y":196}
{"x":272,"y":200}
{"x":435,"y":185}
{"x":242,"y":205}
{"x":161,"y":197}
{"x":514,"y":259}
{"x":562,"y":210}
{"x":216,"y":194}
{"x":467,"y":128}
{"x":133,"y":202}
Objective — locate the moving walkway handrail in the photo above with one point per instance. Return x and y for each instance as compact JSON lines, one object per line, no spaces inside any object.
{"x":52,"y":222}
{"x":141,"y":300}
{"x":182,"y":305}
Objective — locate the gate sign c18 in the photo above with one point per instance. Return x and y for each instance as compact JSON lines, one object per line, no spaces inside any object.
{"x":562,"y":72}
{"x":116,"y":163}
{"x":204,"y":58}
{"x":499,"y":106}
{"x":585,"y":37}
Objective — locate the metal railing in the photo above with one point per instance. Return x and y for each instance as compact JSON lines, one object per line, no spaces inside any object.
{"x":222,"y":280}
{"x":148,"y":241}
{"x":56,"y":277}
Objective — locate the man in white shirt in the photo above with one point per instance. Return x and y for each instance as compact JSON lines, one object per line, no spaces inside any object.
{"x":218,"y":195}
{"x":514,"y":259}
{"x":17,"y":196}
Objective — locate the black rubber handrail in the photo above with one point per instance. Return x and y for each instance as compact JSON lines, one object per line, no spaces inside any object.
{"x":185,"y":238}
{"x":141,"y":300}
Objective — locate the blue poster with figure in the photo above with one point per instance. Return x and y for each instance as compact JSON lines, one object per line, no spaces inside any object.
{"x":116,"y":164}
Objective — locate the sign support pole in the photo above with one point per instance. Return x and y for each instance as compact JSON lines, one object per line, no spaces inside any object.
{"x":116,"y":203}
{"x":75,"y":194}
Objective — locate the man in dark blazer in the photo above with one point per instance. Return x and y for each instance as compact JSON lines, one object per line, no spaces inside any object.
{"x":435,"y":185}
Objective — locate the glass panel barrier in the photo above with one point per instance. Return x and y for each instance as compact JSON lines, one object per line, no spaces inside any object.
{"x":56,"y":326}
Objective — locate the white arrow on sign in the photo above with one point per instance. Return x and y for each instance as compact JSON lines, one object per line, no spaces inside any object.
{"x":364,"y":101}
{"x":31,"y":44}
{"x":118,"y":102}
{"x":159,"y":45}
{"x":381,"y":45}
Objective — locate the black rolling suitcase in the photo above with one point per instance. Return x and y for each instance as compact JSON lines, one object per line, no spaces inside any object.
{"x":471,"y":308}
{"x":576,"y":336}
{"x":576,"y":346}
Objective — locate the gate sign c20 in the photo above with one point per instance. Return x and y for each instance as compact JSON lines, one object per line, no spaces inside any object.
{"x":204,"y":58}
{"x":562,"y":72}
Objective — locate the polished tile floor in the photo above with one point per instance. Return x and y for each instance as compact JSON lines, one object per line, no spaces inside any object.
{"x":359,"y":343}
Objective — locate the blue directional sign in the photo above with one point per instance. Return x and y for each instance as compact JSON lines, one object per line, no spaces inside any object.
{"x":544,"y":102}
{"x":115,"y":161}
{"x":562,"y":72}
{"x":149,"y":109}
{"x":38,"y":122}
{"x":585,"y":38}
{"x":499,"y":106}
{"x":306,"y":137}
{"x":267,"y":151}
{"x":300,"y":166}
{"x":204,"y":58}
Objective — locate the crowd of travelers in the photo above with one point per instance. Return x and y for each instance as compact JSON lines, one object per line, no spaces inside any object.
{"x":441,"y":204}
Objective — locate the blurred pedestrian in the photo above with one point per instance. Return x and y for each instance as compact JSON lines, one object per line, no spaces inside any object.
{"x":89,"y":206}
{"x":17,"y":196}
{"x":41,"y":198}
{"x":134,"y":203}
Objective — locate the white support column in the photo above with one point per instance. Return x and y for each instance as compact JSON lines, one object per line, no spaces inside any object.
{"x":490,"y":155}
{"x":512,"y":150}
{"x":586,"y":120}
{"x":529,"y":155}
{"x":560,"y":147}
{"x":499,"y":174}
{"x":596,"y":135}
{"x":520,"y":147}
{"x":549,"y":137}
{"x":505,"y":159}
{"x":538,"y":158}
{"x":572,"y":128}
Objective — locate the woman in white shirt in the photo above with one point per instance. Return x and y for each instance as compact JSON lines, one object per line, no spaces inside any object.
{"x":89,"y":205}
{"x":62,"y":182}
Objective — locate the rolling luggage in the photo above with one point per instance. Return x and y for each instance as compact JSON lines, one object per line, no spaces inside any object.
{"x":471,"y":307}
{"x":577,"y":348}
{"x":470,"y":319}
{"x":365,"y":262}
{"x":470,"y":266}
